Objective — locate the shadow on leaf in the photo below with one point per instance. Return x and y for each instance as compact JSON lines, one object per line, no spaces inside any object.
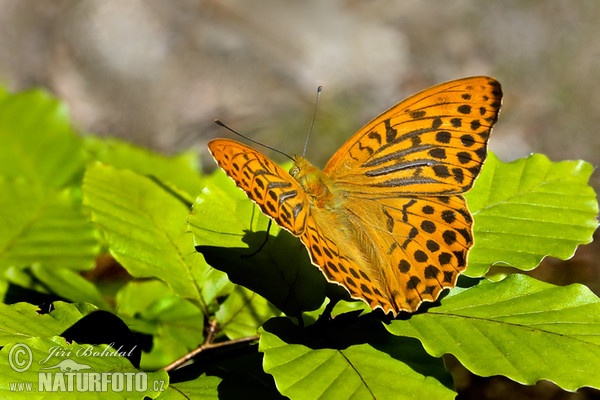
{"x":281,"y":271}
{"x":348,"y":330}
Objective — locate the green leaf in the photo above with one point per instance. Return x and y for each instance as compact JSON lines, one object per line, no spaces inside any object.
{"x":37,"y":141}
{"x":42,"y":223}
{"x":21,"y":321}
{"x":180,"y":170}
{"x":528,"y":209}
{"x":385,"y":368}
{"x":41,"y":227}
{"x":521,"y":328}
{"x":70,"y":285}
{"x":229,"y":230}
{"x":243,"y":313}
{"x":222,"y":215}
{"x":51,"y":353}
{"x":144,"y":226}
{"x":153,"y":308}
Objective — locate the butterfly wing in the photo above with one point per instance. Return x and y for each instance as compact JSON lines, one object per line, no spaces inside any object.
{"x":271,"y":187}
{"x":404,"y":229}
{"x":431,"y":143}
{"x":389,"y":253}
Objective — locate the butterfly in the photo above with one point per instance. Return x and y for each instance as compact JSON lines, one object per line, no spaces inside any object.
{"x":386,"y":218}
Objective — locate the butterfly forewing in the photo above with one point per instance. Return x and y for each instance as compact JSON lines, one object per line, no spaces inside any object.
{"x":431,"y":143}
{"x":267,"y":184}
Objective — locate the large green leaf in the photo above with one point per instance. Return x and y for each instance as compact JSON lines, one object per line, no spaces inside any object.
{"x":145,"y":228}
{"x":229,"y":230}
{"x":176,"y":325}
{"x":37,"y":141}
{"x":383,"y":368}
{"x":521,"y":328}
{"x":528,"y":209}
{"x":180,"y":170}
{"x":41,"y":227}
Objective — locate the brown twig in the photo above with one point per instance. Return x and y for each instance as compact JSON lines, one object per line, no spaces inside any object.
{"x":207,"y":346}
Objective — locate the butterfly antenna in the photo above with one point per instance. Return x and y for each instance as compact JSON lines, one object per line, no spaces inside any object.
{"x":312,"y":122}
{"x":218,"y":122}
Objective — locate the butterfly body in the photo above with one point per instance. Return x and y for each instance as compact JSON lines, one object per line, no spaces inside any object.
{"x":321,"y":192}
{"x":385,"y":218}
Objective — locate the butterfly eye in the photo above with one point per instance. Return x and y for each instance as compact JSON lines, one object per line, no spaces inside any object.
{"x":294,"y":171}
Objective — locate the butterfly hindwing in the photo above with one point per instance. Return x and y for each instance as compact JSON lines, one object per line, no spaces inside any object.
{"x":393,"y":253}
{"x":342,"y":265}
{"x":425,"y":241}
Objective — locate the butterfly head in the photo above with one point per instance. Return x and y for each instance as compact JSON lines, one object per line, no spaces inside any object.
{"x":313,"y":181}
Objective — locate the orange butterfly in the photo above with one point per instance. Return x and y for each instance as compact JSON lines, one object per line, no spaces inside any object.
{"x":385,"y":218}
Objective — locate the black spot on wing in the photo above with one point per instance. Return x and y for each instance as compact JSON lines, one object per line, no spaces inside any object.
{"x":390,"y":132}
{"x":417,"y":114}
{"x":464,"y":109}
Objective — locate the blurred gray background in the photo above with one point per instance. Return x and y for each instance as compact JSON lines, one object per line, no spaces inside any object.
{"x":158,"y":72}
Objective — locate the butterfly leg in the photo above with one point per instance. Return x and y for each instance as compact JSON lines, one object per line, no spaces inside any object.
{"x":263,"y":243}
